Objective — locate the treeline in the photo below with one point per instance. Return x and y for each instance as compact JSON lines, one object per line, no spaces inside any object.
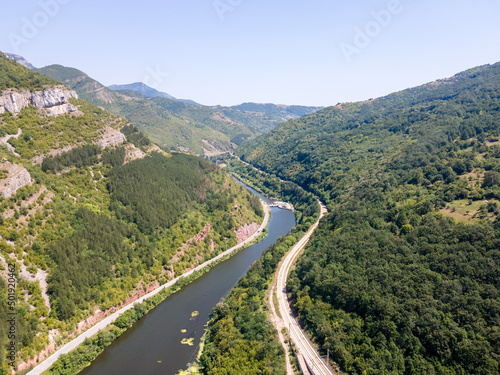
{"x":388,"y":284}
{"x":113,"y":157}
{"x":82,"y":156}
{"x":135,"y":136}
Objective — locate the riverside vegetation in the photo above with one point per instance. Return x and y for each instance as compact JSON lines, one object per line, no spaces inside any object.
{"x":239,"y":337}
{"x":97,"y":226}
{"x":402,"y":277}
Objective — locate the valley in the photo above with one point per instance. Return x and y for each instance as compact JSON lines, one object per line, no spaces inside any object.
{"x":94,"y":215}
{"x":181,"y":125}
{"x":104,"y":203}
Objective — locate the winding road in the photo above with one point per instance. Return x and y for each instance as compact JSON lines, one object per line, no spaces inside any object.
{"x":47,"y":363}
{"x":306,"y":352}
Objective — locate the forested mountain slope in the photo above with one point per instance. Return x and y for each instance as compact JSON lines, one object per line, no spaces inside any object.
{"x":93,"y":215}
{"x":176,"y":124}
{"x":403,"y":276}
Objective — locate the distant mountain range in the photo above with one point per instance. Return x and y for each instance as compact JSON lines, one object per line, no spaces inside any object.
{"x":178,"y":124}
{"x":147,"y":91}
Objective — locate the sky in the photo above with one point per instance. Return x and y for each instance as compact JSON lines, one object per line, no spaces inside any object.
{"x":316,"y":52}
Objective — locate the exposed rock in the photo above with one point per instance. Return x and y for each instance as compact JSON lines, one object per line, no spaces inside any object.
{"x":21,"y":60}
{"x":133,"y":153}
{"x":190,"y":243}
{"x":40,"y":277}
{"x":17,"y":177}
{"x":53,"y":101}
{"x":111,"y":137}
{"x":246,"y":231}
{"x":154,"y":148}
{"x":5,"y":141}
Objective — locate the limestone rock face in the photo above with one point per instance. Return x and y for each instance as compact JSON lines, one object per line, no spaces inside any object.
{"x":13,"y":101}
{"x":133,"y":153}
{"x":14,"y":178}
{"x":54,"y":101}
{"x":111,"y":137}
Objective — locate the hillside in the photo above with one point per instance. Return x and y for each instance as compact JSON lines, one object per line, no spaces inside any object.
{"x":142,"y":89}
{"x":149,"y":92}
{"x":93,"y":215}
{"x":172,"y":123}
{"x":403,"y":275}
{"x":21,"y":60}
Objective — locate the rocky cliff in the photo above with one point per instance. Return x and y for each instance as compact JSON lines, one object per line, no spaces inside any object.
{"x":14,"y":177}
{"x":53,"y":101}
{"x":111,"y":137}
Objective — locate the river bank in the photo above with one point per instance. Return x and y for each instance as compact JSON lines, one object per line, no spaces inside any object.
{"x":167,"y":338}
{"x":165,"y":290}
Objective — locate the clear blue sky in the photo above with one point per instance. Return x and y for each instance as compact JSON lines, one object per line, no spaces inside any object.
{"x":232,"y":51}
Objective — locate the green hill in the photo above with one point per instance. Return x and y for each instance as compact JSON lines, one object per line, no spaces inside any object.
{"x":403,"y":275}
{"x":92,"y":214}
{"x":142,"y":89}
{"x":175,"y":124}
{"x":15,"y":76}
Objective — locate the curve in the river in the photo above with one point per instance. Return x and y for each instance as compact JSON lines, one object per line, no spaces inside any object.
{"x":154,"y":345}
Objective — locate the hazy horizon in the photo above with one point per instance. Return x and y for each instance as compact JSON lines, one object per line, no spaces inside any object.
{"x":232,"y":51}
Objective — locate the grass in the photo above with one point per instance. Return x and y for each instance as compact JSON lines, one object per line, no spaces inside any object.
{"x":467,"y":210}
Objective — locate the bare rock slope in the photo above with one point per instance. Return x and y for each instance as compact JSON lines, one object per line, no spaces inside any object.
{"x":53,"y":101}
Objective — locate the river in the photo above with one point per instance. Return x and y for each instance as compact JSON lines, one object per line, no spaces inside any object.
{"x":153,"y":345}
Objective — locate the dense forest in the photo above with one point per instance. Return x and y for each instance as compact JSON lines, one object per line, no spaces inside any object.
{"x":403,"y":275}
{"x":97,"y":227}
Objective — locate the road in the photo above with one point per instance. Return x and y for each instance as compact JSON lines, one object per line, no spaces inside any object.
{"x":302,"y":345}
{"x":44,"y":365}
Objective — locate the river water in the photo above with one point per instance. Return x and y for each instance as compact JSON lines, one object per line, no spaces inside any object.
{"x":153,"y":345}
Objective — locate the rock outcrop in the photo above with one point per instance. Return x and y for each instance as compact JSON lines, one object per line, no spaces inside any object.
{"x":133,"y":153}
{"x":246,"y":231}
{"x":111,"y":137}
{"x":16,"y":177}
{"x":53,"y":101}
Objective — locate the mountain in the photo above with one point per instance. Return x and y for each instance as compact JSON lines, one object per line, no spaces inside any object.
{"x":174,"y":124}
{"x":87,"y":88}
{"x":142,"y":89}
{"x":21,"y":60}
{"x":93,"y":214}
{"x":403,"y":274}
{"x":147,"y":91}
{"x":283,"y":112}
